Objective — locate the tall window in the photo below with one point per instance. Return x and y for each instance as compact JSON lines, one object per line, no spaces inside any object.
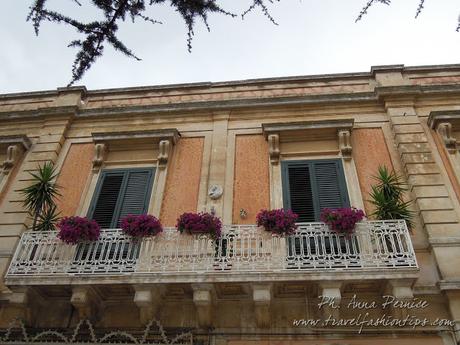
{"x":312,"y":185}
{"x":120,"y":192}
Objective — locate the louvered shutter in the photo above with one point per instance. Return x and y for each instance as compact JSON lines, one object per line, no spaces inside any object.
{"x":300,"y":192}
{"x":310,"y":186}
{"x":106,"y":198}
{"x":121,"y":192}
{"x":136,"y":193}
{"x":329,"y":185}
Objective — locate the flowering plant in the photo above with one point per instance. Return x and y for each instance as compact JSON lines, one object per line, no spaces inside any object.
{"x":73,"y":230}
{"x":141,"y":225}
{"x":200,"y":223}
{"x":342,"y":220}
{"x":279,"y":222}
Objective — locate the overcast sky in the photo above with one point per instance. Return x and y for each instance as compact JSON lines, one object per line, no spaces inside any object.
{"x":313,"y":37}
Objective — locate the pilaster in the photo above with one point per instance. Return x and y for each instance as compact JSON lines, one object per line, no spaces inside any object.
{"x":217,"y":164}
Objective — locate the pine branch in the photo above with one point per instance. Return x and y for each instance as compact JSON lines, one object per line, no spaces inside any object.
{"x":368,"y":5}
{"x":98,"y":33}
{"x":419,"y":8}
{"x":261,"y":4}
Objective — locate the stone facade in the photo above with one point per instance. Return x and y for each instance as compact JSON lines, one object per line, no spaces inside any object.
{"x":237,"y":136}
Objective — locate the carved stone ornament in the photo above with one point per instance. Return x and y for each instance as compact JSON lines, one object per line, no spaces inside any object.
{"x":345,"y":143}
{"x":445,"y":131}
{"x":163,"y":153}
{"x":13,"y":152}
{"x":100,"y":151}
{"x":215,"y":192}
{"x":274,"y":148}
{"x":15,"y":148}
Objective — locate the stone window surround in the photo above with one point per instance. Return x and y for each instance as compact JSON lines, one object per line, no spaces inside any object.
{"x":163,"y":139}
{"x":340,"y":130}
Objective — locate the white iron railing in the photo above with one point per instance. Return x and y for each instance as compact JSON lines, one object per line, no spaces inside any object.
{"x":242,"y":248}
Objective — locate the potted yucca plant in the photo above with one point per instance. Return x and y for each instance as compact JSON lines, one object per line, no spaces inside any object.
{"x":387,"y":196}
{"x":40,"y":195}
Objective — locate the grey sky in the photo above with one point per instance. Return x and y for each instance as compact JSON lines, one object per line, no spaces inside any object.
{"x":313,"y":37}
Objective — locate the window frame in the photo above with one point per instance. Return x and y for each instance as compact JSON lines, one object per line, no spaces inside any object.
{"x":310,"y":163}
{"x":101,"y":177}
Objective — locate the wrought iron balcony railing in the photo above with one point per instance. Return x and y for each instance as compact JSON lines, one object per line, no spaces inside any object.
{"x":242,"y":248}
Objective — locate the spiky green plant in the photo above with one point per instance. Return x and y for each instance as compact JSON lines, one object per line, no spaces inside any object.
{"x":39,"y":197}
{"x":388,"y":197}
{"x":48,"y":219}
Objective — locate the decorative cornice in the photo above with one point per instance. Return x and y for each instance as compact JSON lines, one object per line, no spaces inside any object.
{"x":386,"y":69}
{"x":157,"y":135}
{"x":444,"y":122}
{"x":274,"y":128}
{"x":37,"y":113}
{"x":230,"y":104}
{"x":164,"y":139}
{"x":449,"y":285}
{"x":437,"y":117}
{"x":21,"y":140}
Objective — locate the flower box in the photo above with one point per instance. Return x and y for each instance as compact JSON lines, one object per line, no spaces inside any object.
{"x":200,"y":223}
{"x":279,"y":222}
{"x":74,"y":230}
{"x":139,"y":226}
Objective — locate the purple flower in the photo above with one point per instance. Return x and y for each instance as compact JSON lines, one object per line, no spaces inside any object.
{"x":279,"y":222}
{"x":200,"y":223}
{"x":73,"y":230}
{"x":342,"y":220}
{"x":141,"y":225}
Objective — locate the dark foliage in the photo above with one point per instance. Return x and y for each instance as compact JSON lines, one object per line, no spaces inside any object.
{"x":97,"y":34}
{"x":419,"y":10}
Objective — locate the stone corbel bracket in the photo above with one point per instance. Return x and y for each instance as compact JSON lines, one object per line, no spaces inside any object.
{"x":444,"y":123}
{"x":274,"y":148}
{"x":203,"y":298}
{"x":262,"y":297}
{"x":277,"y":133}
{"x":87,"y":302}
{"x":163,"y":139}
{"x":100,"y":152}
{"x":345,"y":143}
{"x":148,"y":299}
{"x":15,"y":147}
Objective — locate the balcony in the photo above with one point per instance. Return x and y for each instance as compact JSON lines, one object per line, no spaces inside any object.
{"x":243,"y":254}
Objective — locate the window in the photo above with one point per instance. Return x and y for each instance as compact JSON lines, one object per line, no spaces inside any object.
{"x":120,"y":192}
{"x":310,"y":186}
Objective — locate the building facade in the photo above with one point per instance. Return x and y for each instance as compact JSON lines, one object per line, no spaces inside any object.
{"x":234,"y":148}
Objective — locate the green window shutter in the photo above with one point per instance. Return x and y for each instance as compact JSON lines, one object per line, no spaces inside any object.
{"x":299,"y":194}
{"x":310,"y":186}
{"x":105,"y":199}
{"x":136,"y":195}
{"x":330,"y":185}
{"x":120,"y":192}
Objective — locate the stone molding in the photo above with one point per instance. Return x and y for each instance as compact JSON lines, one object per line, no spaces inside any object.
{"x":274,"y":132}
{"x":164,"y":139}
{"x":444,"y":122}
{"x":15,"y":147}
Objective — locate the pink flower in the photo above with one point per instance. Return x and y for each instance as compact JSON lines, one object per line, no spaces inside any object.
{"x":73,"y":230}
{"x":342,"y":220}
{"x":279,"y":222}
{"x":141,"y":225}
{"x":200,"y":223}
